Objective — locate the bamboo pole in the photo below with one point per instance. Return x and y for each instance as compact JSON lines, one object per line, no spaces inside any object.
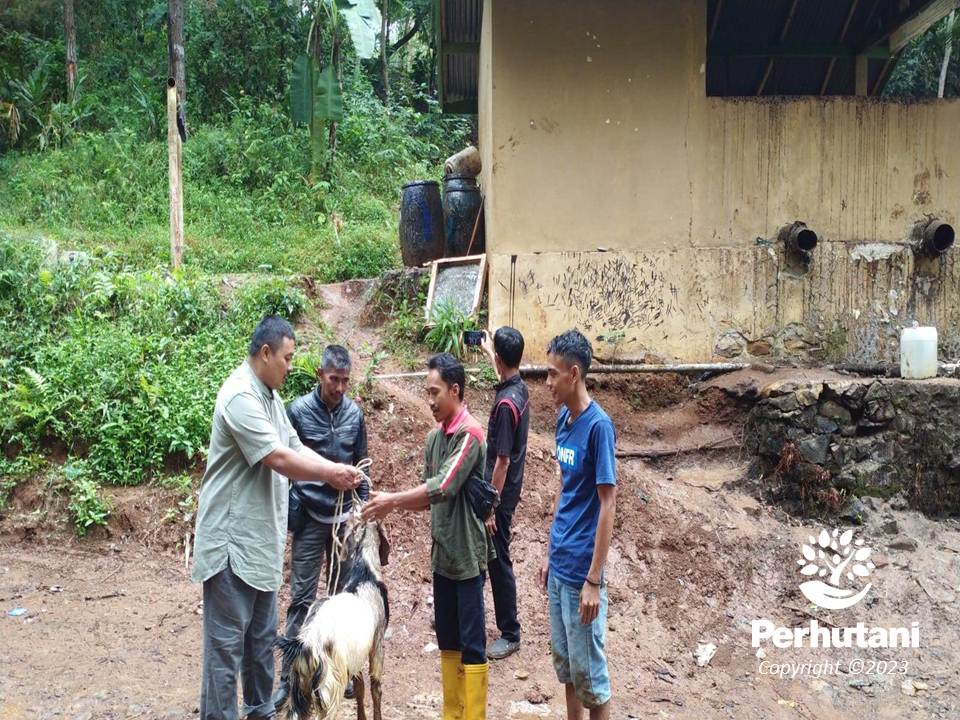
{"x":665,"y":368}
{"x":610,"y":369}
{"x":175,"y":163}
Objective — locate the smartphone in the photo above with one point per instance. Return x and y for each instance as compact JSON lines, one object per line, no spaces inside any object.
{"x":473,"y":337}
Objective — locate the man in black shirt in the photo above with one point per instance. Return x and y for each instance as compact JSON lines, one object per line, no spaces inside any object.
{"x":332,"y":425}
{"x":506,"y":454}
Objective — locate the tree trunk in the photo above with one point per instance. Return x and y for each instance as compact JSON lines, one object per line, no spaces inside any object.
{"x":384,"y":46}
{"x":175,"y":59}
{"x":412,"y":29}
{"x":318,"y":149}
{"x":70,"y":39}
{"x":176,"y":92}
{"x":946,"y":55}
{"x":333,"y":125}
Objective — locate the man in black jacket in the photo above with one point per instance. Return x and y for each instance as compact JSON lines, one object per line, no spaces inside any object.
{"x":506,"y":454}
{"x":332,"y":425}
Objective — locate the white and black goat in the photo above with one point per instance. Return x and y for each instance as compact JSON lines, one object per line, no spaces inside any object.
{"x":343,"y":632}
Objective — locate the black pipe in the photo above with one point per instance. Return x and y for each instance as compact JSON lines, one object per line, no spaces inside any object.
{"x":799,"y":237}
{"x":937,"y":238}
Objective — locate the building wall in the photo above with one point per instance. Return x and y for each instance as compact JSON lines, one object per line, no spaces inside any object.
{"x":622,"y":200}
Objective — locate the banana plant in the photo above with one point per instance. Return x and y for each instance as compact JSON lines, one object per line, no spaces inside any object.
{"x":8,"y":110}
{"x":316,"y":95}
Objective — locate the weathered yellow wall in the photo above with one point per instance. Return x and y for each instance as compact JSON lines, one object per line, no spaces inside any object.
{"x":853,"y":169}
{"x":588,"y":129}
{"x":596,"y":133}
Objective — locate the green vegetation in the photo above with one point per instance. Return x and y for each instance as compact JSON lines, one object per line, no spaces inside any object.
{"x":446,"y":329}
{"x":108,"y":357}
{"x":403,"y":332}
{"x":13,"y":471}
{"x":247,"y":203}
{"x":121,"y":367}
{"x":86,"y":507}
{"x":89,"y":169}
{"x":918,"y":69}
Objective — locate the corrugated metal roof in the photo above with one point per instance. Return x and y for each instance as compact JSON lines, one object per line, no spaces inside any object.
{"x":812,"y":44}
{"x":458,"y":23}
{"x":765,"y":47}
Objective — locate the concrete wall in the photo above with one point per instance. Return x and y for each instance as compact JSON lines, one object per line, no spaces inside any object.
{"x":622,"y":200}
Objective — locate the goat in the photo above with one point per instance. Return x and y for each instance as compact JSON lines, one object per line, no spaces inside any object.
{"x":343,"y":631}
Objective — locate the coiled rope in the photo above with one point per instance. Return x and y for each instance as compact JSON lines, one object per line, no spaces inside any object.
{"x":336,"y":550}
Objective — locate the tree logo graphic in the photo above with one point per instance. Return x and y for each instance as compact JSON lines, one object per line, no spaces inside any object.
{"x":833,"y":555}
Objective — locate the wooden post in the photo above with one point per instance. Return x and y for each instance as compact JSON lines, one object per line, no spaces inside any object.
{"x":175,"y":161}
{"x":862,"y":65}
{"x":175,"y":59}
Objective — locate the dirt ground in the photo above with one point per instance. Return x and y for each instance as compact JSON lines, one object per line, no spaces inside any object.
{"x":112,"y":623}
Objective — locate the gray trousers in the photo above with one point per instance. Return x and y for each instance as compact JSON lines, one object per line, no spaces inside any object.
{"x":312,"y":548}
{"x":239,"y":629}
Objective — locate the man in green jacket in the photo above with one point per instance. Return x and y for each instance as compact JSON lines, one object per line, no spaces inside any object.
{"x":461,"y":547}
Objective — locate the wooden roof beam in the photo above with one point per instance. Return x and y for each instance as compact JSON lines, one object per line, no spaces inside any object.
{"x":879,"y":52}
{"x":906,"y":21}
{"x":920,"y":23}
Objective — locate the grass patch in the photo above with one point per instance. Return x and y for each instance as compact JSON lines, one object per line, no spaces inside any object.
{"x":248,"y":203}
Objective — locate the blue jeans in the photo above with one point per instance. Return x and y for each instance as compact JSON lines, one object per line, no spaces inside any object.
{"x":578,"y":655}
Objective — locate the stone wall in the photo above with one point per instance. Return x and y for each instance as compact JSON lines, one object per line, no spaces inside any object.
{"x":864,"y":437}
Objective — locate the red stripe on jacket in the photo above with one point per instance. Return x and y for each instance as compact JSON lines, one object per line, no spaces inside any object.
{"x":474,"y":431}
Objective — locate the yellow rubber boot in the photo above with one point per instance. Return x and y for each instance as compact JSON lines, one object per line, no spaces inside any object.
{"x":475,"y":696}
{"x":451,"y":672}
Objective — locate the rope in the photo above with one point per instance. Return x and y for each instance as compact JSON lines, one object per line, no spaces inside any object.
{"x":336,"y":551}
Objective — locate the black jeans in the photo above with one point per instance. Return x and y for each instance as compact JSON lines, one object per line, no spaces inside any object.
{"x":458,"y":612}
{"x":502,"y":582}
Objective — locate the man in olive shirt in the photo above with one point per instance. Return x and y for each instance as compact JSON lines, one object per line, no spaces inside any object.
{"x":242,"y":524}
{"x":461,"y":548}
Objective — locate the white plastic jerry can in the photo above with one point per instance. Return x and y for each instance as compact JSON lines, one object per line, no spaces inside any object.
{"x":918,"y":352}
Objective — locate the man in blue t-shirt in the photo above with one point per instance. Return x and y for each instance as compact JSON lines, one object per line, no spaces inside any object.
{"x":572,"y":573}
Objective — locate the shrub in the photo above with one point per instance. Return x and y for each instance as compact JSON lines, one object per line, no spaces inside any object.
{"x":122,"y":367}
{"x":86,"y":507}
